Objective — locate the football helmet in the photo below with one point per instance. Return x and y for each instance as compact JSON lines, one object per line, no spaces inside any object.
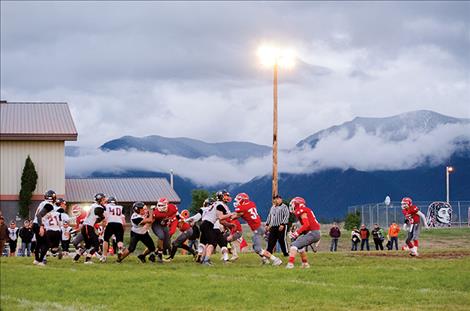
{"x":50,"y":195}
{"x":296,"y":203}
{"x":208,"y":202}
{"x":406,"y":202}
{"x":223,"y":195}
{"x":162,"y":204}
{"x":99,"y":196}
{"x":240,"y":199}
{"x":184,"y":214}
{"x":60,"y":201}
{"x":138,"y":206}
{"x":112,"y":199}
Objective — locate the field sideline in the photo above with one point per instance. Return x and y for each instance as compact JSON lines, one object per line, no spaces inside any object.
{"x":438,"y":280}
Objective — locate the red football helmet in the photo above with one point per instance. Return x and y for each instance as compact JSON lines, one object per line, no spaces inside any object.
{"x":406,"y":202}
{"x":184,"y":214}
{"x":296,"y":203}
{"x":240,"y":199}
{"x":162,"y":204}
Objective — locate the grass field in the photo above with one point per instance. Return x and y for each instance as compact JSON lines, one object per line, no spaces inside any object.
{"x":438,"y":280}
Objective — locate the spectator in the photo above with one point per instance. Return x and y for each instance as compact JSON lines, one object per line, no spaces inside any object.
{"x":355,"y":239}
{"x":393,"y":235}
{"x":365,"y":233}
{"x":335,"y":233}
{"x":26,"y":235}
{"x":378,"y":236}
{"x":12,"y":238}
{"x":3,"y":234}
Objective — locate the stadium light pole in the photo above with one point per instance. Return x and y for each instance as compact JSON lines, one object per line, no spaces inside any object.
{"x":275,"y":57}
{"x":449,"y":169}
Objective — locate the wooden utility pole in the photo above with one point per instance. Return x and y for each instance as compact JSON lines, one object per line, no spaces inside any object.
{"x":275,"y":185}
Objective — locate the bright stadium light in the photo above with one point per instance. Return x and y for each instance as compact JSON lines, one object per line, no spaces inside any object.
{"x":270,"y":56}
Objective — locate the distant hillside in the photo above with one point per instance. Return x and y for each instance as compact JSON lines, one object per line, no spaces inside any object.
{"x":395,"y":128}
{"x":187,"y":147}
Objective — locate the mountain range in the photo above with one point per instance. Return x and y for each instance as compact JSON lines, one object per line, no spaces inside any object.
{"x":330,"y":190}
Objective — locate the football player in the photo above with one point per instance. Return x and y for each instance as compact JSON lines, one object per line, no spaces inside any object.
{"x":95,"y":218}
{"x":413,"y":218}
{"x":141,"y":220}
{"x":114,"y":226}
{"x":246,"y":209}
{"x":307,"y":234}
{"x":234,"y":238}
{"x":162,"y":215}
{"x":44,"y":208}
{"x":197,"y":219}
{"x":53,"y":225}
{"x":186,"y":232}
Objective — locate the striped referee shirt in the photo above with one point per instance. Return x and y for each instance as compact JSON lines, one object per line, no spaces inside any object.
{"x":278,"y":215}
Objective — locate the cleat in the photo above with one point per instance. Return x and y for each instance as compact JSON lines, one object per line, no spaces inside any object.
{"x":142,"y":258}
{"x":88,"y":262}
{"x":305,"y":265}
{"x":207,"y":263}
{"x":151,"y":258}
{"x":265,"y":261}
{"x":290,"y":266}
{"x":41,"y":264}
{"x":103,"y":259}
{"x":234,"y":258}
{"x":35,"y":262}
{"x":76,"y":257}
{"x":60,"y":255}
{"x":277,"y":262}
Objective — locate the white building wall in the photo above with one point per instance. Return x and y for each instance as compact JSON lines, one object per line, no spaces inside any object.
{"x":48,"y":158}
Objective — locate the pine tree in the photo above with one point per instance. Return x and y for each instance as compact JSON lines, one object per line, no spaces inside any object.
{"x":29,"y":180}
{"x":352,"y":220}
{"x":198,"y":197}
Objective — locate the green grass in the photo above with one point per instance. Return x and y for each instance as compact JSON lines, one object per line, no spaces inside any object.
{"x":438,"y":280}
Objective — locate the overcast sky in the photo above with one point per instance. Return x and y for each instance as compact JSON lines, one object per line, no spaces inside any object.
{"x":190,"y":69}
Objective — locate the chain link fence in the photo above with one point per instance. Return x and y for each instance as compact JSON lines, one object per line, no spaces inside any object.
{"x":379,"y":213}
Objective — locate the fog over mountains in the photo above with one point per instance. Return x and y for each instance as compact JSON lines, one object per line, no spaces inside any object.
{"x":333,"y":167}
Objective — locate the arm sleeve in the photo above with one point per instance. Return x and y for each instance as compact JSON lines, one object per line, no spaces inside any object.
{"x":136,"y":221}
{"x":195,"y":218}
{"x":99,"y":211}
{"x":44,"y":210}
{"x":268,"y":220}
{"x":222,"y":209}
{"x":286,"y":214}
{"x":305,"y":225}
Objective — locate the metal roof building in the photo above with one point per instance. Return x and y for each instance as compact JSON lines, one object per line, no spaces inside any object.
{"x":36,"y":121}
{"x":126,"y":190}
{"x":38,"y":130}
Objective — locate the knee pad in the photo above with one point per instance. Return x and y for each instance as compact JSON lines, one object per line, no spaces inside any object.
{"x":302,"y":250}
{"x":294,"y":248}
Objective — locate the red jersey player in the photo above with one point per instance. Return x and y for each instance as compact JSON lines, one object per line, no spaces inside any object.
{"x":307,"y":234}
{"x":162,"y":215}
{"x":413,"y":218}
{"x":246,"y":209}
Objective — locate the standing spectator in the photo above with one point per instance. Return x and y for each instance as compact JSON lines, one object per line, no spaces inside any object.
{"x":335,"y":233}
{"x":3,"y":234}
{"x":276,"y":225}
{"x":26,"y":235}
{"x":378,"y":236}
{"x":393,"y":235}
{"x":355,"y":238}
{"x":12,"y":237}
{"x":365,"y":233}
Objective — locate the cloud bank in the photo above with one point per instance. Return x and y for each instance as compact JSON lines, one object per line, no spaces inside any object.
{"x":363,"y":152}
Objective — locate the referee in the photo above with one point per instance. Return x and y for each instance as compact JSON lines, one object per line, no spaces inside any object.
{"x":276,"y":224}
